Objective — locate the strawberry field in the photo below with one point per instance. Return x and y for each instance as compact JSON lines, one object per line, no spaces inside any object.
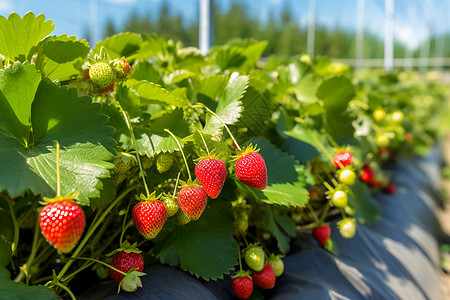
{"x":139,"y":151}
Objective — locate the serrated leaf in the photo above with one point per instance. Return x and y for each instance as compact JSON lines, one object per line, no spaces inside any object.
{"x":5,"y":251}
{"x":17,"y":88}
{"x":146,"y":71}
{"x":367,"y":208}
{"x":58,"y":114}
{"x":230,"y":107}
{"x":336,"y":93}
{"x":210,"y":87}
{"x":19,"y":35}
{"x":205,"y":247}
{"x":286,"y":180}
{"x":20,"y":291}
{"x":57,"y":55}
{"x":152,"y":93}
{"x":120,"y":45}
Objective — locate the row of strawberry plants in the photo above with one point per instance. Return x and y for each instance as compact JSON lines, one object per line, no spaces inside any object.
{"x":119,"y":129}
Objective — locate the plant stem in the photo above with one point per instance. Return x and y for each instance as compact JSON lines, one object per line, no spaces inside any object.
{"x":204,"y":142}
{"x":16,"y":225}
{"x":182,"y":153}
{"x":93,"y":228}
{"x":83,"y":267}
{"x":124,"y":223}
{"x":133,"y":140}
{"x":34,"y":249}
{"x":325,"y":212}
{"x":58,"y":176}
{"x":313,"y":213}
{"x":239,"y":253}
{"x":176,"y":185}
{"x":221,"y":121}
{"x":99,"y":262}
{"x":72,"y":296}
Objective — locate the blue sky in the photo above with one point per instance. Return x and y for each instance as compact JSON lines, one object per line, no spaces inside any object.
{"x":73,"y":17}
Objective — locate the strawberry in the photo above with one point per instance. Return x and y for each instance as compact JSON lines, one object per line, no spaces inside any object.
{"x":321,"y":234}
{"x":182,"y":219}
{"x":277,"y":264}
{"x":242,"y":285}
{"x":379,"y":114}
{"x":314,"y":194}
{"x":342,"y":159}
{"x":125,"y":261}
{"x":339,"y":198}
{"x":149,"y":216}
{"x":192,"y":200}
{"x":382,"y":140}
{"x":265,"y":279}
{"x":347,"y":176}
{"x":108,"y":89}
{"x":347,"y":228}
{"x":101,"y":75}
{"x":171,"y":205}
{"x":120,"y":68}
{"x":211,"y":173}
{"x":251,"y":168}
{"x":164,"y":162}
{"x":397,"y":116}
{"x":390,"y":188}
{"x":367,"y":174}
{"x":254,"y":257}
{"x":62,"y":223}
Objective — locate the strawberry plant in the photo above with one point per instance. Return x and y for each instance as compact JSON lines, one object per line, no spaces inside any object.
{"x":277,"y":147}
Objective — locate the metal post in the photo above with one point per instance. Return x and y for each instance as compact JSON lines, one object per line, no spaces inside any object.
{"x":311,"y":27}
{"x":389,"y":35}
{"x":93,"y":24}
{"x":360,"y":8}
{"x":425,"y":49}
{"x":206,"y":26}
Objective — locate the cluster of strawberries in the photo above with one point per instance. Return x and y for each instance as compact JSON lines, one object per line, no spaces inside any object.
{"x":104,"y":75}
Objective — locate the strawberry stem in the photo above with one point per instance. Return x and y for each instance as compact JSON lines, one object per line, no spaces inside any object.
{"x":16,"y":226}
{"x":99,"y":262}
{"x":204,"y":142}
{"x":239,"y":253}
{"x":176,"y":184}
{"x":58,"y":176}
{"x":325,"y":212}
{"x":182,"y":153}
{"x":133,"y":140}
{"x":68,"y":291}
{"x":223,"y":123}
{"x":313,"y":213}
{"x":124,"y":223}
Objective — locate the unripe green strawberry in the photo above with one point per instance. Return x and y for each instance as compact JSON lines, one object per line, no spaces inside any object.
{"x":347,"y":228}
{"x":277,"y":264}
{"x":171,"y":205}
{"x":347,"y":177}
{"x":382,"y":139}
{"x":251,"y":168}
{"x":339,"y":198}
{"x":241,"y":222}
{"x":101,"y":75}
{"x":379,"y":114}
{"x":265,"y":279}
{"x":397,"y":116}
{"x":242,"y":284}
{"x":192,"y":199}
{"x":120,"y":68}
{"x":182,"y":219}
{"x":254,"y":257}
{"x":164,"y":162}
{"x":149,"y":216}
{"x":62,"y":223}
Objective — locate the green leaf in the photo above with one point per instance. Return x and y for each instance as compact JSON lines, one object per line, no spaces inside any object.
{"x":145,"y":71}
{"x":210,"y":87}
{"x":367,"y":209}
{"x":18,"y":35}
{"x":59,"y":115}
{"x":230,"y":107}
{"x":152,"y":93}
{"x":57,"y":55}
{"x":268,"y":222}
{"x":107,"y":194}
{"x":205,"y":247}
{"x":20,"y":291}
{"x":286,"y":179}
{"x":306,"y":89}
{"x":120,"y":45}
{"x":336,"y":93}
{"x":17,"y":88}
{"x":5,"y":251}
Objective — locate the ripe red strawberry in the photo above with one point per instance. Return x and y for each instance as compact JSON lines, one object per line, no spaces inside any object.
{"x":314,"y":194}
{"x":265,"y":279}
{"x":124,"y":261}
{"x":211,"y":173}
{"x":342,"y":159}
{"x":367,"y":174}
{"x":120,"y":68}
{"x":192,"y":200}
{"x":321,"y":234}
{"x":251,"y":168}
{"x":149,"y":217}
{"x":101,"y":75}
{"x":242,"y":285}
{"x":390,"y":188}
{"x":62,"y":224}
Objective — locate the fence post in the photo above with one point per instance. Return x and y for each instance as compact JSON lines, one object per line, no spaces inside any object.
{"x":389,"y":35}
{"x":206,"y":26}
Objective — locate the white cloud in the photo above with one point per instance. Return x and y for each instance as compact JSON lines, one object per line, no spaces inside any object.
{"x":6,"y":7}
{"x":409,"y":36}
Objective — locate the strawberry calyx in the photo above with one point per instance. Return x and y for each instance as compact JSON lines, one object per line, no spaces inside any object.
{"x":242,"y":274}
{"x":210,"y":155}
{"x":189,"y":183}
{"x":150,"y":197}
{"x":126,"y":247}
{"x":69,"y":196}
{"x":249,"y":149}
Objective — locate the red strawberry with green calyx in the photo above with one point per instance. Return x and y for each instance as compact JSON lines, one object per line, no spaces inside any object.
{"x":251,"y":168}
{"x":101,"y":75}
{"x":62,"y":222}
{"x":149,"y":215}
{"x":242,"y":284}
{"x":254,"y":257}
{"x":321,"y":234}
{"x":126,"y":260}
{"x":265,"y":279}
{"x":211,"y":173}
{"x":342,"y":159}
{"x":192,"y":200}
